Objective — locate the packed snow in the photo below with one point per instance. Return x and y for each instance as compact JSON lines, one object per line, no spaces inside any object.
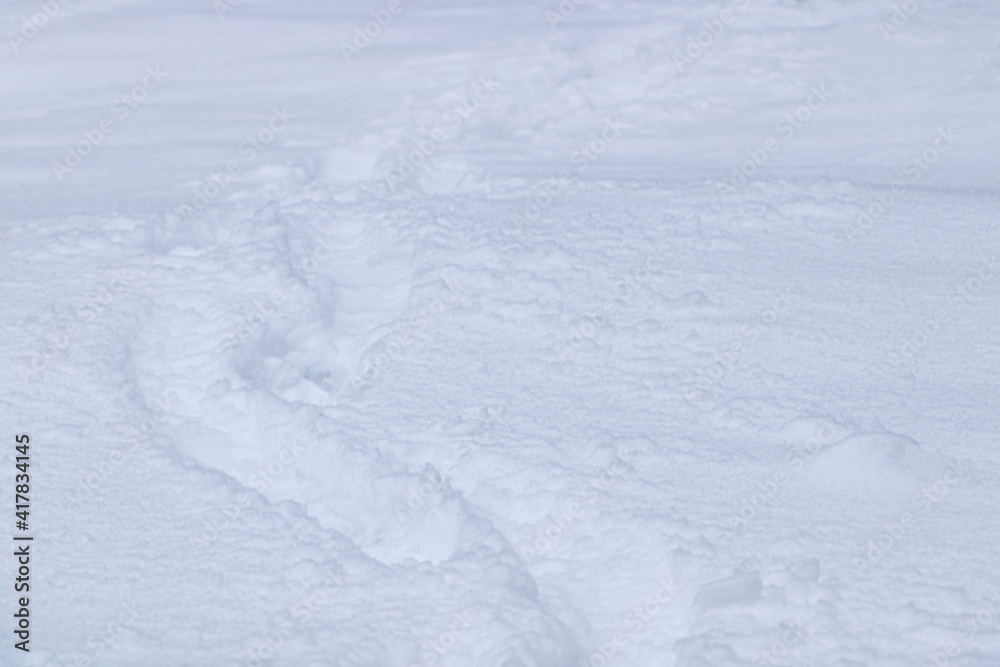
{"x":400,"y":333}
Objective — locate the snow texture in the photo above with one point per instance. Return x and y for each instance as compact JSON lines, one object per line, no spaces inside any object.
{"x":399,"y":333}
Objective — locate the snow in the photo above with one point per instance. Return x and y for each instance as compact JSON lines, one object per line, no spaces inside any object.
{"x":545,"y":335}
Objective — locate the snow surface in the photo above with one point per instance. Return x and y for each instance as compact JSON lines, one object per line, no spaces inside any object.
{"x":571,"y":390}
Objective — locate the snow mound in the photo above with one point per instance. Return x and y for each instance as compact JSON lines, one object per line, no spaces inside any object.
{"x":871,"y":466}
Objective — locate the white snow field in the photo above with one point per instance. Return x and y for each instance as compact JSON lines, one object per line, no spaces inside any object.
{"x":398,"y":333}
